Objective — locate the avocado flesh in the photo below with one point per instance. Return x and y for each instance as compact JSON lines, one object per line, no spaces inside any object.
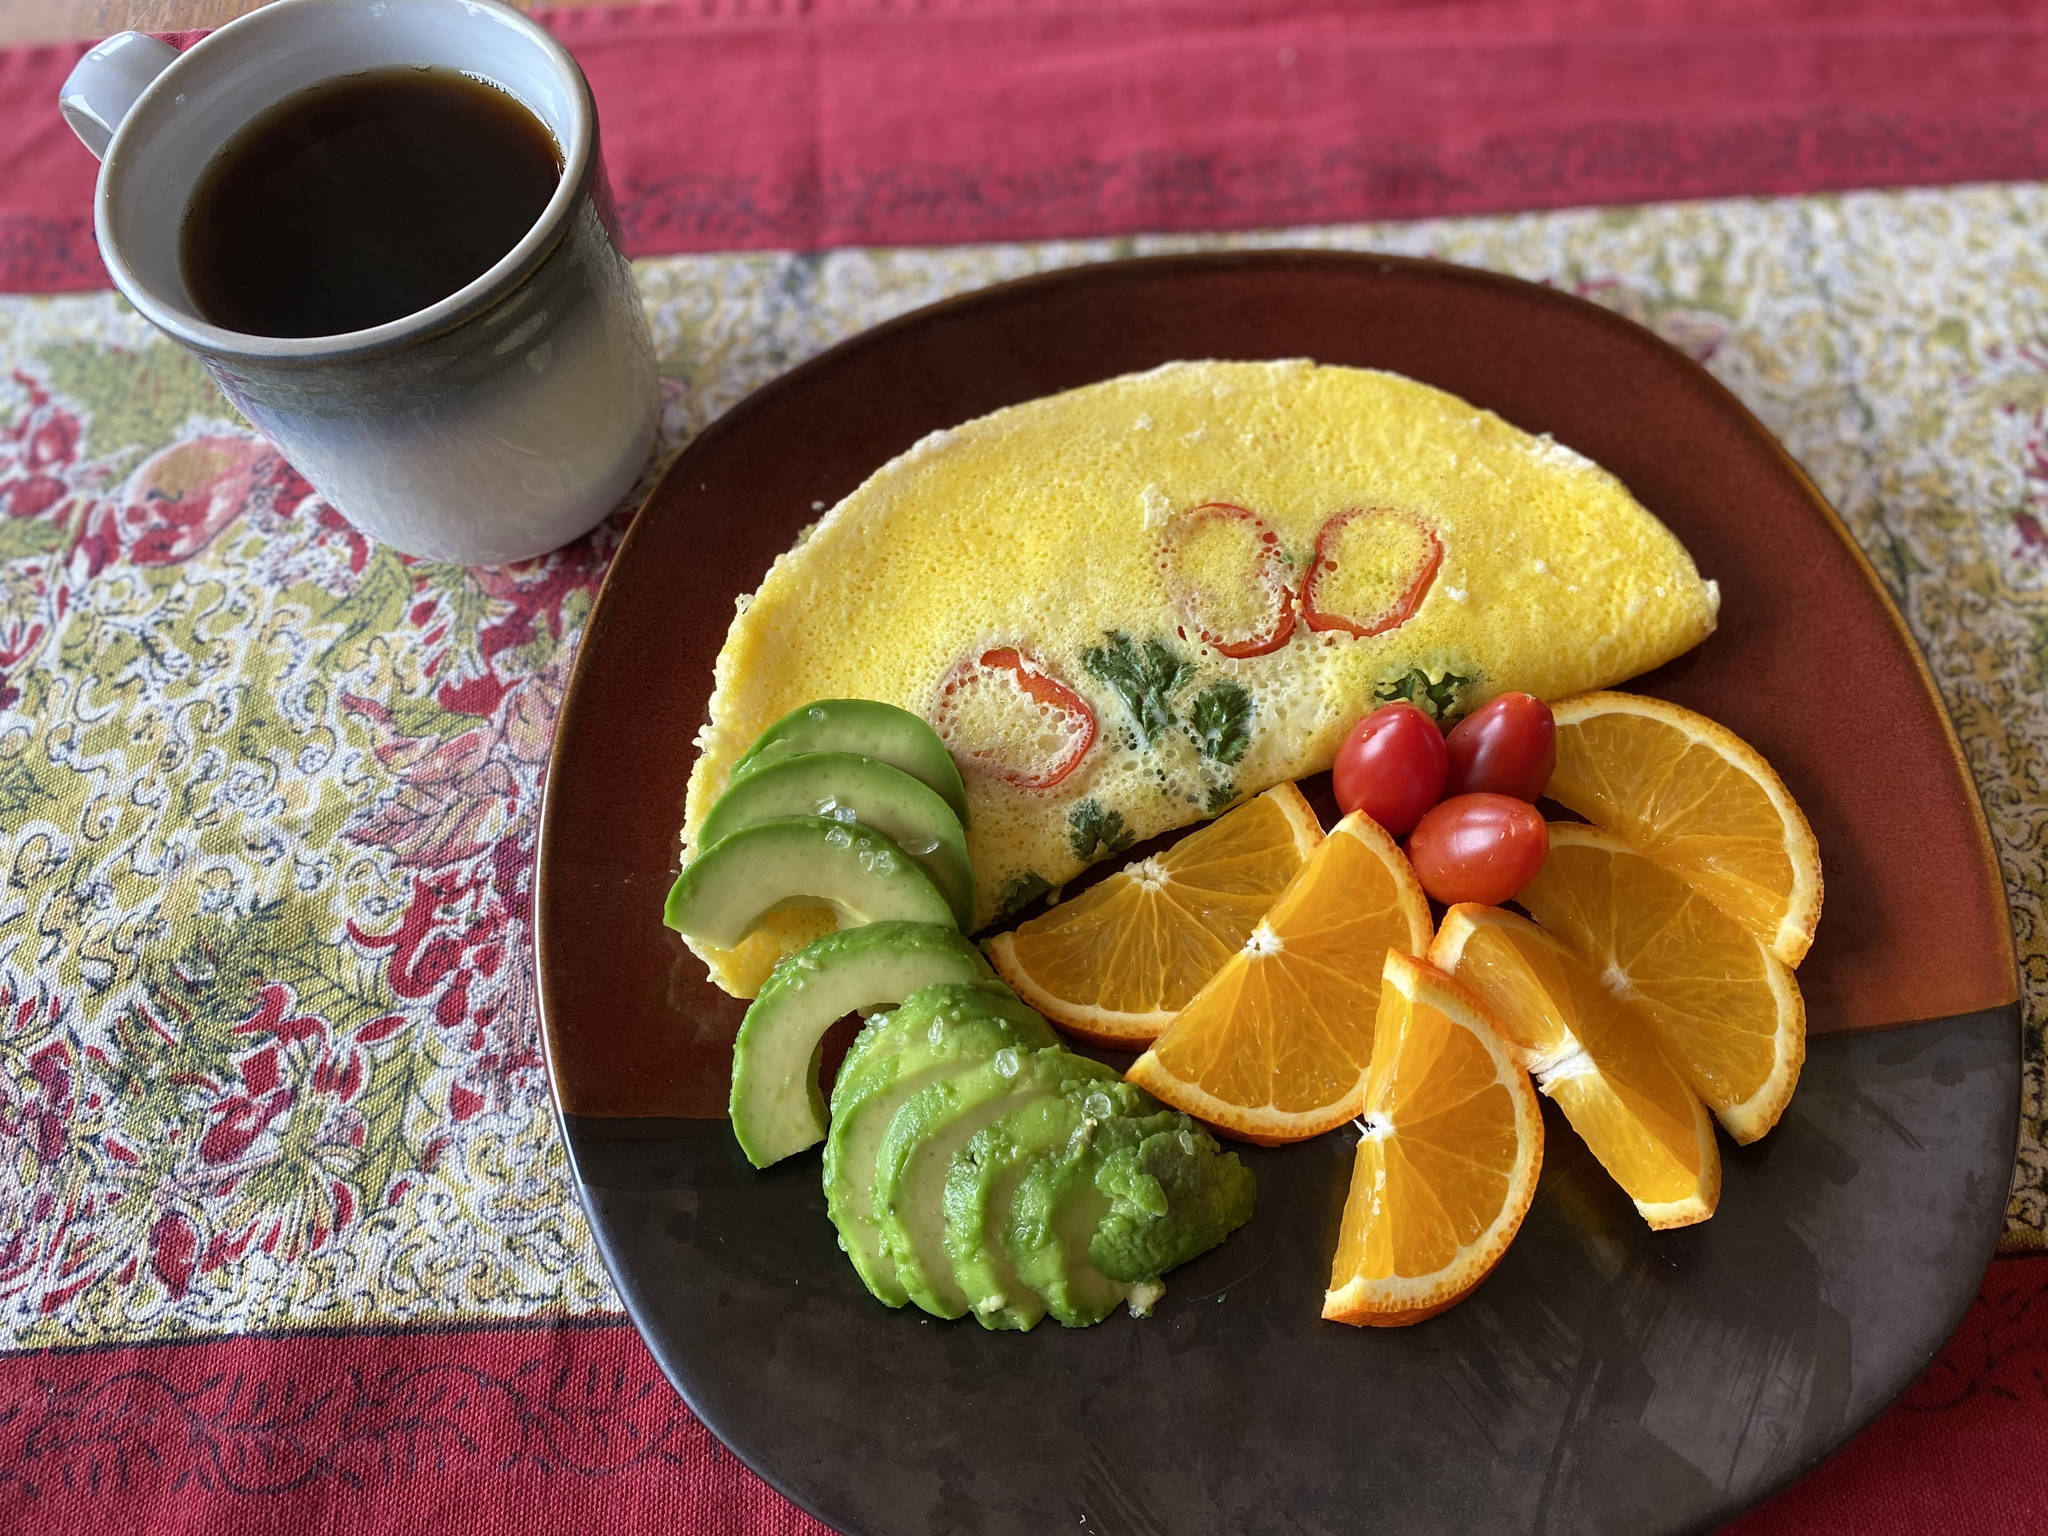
{"x":864,"y":792}
{"x":996,"y":1294}
{"x":917,"y":1154}
{"x":936,"y":1033}
{"x":869,"y":728}
{"x":984,"y":1178}
{"x":1173,"y":1194}
{"x":866,"y":878}
{"x":777,"y":1108}
{"x":1105,"y":1181}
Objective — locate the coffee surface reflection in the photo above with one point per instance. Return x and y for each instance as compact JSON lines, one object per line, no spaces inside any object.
{"x":363,"y":200}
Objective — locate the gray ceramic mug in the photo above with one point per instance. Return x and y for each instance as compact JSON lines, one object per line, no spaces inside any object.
{"x":494,"y":425}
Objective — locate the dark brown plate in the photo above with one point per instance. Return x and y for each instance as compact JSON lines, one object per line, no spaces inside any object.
{"x":1605,"y":1378}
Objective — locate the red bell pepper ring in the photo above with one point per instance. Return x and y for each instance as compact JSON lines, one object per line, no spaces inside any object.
{"x":1396,"y":613}
{"x":1032,"y":688}
{"x":1269,"y":572}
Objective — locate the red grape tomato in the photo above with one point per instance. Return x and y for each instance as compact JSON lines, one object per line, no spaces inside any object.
{"x":1391,"y":766}
{"x":1507,"y":746}
{"x":1480,"y":847}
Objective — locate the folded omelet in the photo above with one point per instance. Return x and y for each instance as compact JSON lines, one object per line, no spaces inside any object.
{"x":1126,"y":606}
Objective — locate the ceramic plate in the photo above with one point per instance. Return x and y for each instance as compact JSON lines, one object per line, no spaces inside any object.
{"x":1605,"y":1378}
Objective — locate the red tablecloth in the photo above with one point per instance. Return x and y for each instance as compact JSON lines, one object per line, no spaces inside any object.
{"x":574,"y":1430}
{"x":812,"y":123}
{"x":860,"y":121}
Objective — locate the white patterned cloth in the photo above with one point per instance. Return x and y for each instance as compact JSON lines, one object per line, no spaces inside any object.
{"x":269,"y":1053}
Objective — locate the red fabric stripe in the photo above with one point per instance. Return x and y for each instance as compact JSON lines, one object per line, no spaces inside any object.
{"x":573,"y":1428}
{"x":498,"y":1430}
{"x":813,"y":123}
{"x":1961,"y":1451}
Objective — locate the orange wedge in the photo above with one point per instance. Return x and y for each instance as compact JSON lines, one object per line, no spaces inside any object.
{"x":1700,"y":801}
{"x":1726,"y":1009}
{"x":1115,"y":964}
{"x":1447,"y":1163}
{"x":1595,"y":1055}
{"x":1275,"y":1047}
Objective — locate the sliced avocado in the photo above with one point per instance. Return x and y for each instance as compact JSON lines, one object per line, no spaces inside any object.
{"x":983,"y":1180}
{"x":843,"y":786}
{"x":1108,"y":1179}
{"x":1173,"y":1195}
{"x":917,"y":1155}
{"x":937,"y":1032}
{"x":872,"y":729}
{"x":1053,"y":1216}
{"x":736,"y":881}
{"x":777,"y":1108}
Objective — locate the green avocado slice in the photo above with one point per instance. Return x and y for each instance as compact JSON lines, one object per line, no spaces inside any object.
{"x":776,"y":1106}
{"x":917,"y":1156}
{"x":983,"y":1180}
{"x":1173,"y":1195}
{"x":736,"y":881}
{"x":936,"y":1033}
{"x":868,"y":727}
{"x":1129,"y":1197}
{"x":863,"y":791}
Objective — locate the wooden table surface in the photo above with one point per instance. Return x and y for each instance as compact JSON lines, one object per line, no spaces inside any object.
{"x":47,"y":21}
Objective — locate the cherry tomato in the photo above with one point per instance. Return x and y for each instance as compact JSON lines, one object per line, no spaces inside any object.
{"x":1507,"y":746}
{"x":1391,"y":767}
{"x":1480,"y":848}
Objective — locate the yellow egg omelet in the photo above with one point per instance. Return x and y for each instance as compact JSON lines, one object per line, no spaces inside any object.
{"x":1126,"y":606}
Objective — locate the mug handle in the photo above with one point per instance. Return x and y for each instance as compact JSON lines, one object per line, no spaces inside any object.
{"x":106,"y":83}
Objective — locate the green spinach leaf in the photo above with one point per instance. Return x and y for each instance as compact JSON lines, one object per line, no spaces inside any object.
{"x":1144,"y":677}
{"x":1222,"y":722}
{"x":1435,"y":697}
{"x":1021,"y":892}
{"x":1090,"y":828}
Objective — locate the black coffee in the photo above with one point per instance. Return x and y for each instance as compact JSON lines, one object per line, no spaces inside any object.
{"x":362,"y":200}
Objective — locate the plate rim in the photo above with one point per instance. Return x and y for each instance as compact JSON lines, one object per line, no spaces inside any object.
{"x":587,"y":1194}
{"x":998,"y":294}
{"x":1364,"y":264}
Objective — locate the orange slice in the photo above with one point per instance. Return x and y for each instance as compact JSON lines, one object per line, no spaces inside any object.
{"x":1727,"y":1010}
{"x":1699,"y":800}
{"x":1275,"y":1047}
{"x":1595,"y":1055}
{"x":1115,"y":964}
{"x":1447,"y":1163}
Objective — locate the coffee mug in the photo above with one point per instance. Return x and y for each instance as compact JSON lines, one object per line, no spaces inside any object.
{"x":494,"y":425}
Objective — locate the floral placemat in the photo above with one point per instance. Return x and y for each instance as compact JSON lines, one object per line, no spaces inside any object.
{"x":269,"y":1052}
